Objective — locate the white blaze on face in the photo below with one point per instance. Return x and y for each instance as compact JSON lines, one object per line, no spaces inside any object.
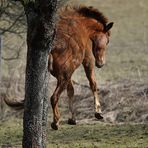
{"x":102,"y":46}
{"x":103,"y":59}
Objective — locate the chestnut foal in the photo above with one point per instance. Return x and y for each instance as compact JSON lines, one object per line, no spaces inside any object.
{"x":82,"y":35}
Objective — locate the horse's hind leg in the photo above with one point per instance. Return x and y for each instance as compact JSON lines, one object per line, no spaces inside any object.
{"x":61,"y":85}
{"x":89,"y":70}
{"x":70,"y":93}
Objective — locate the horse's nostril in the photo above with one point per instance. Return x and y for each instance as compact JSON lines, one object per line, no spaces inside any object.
{"x":99,"y":66}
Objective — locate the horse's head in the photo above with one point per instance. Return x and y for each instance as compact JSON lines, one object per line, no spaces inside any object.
{"x":100,"y":40}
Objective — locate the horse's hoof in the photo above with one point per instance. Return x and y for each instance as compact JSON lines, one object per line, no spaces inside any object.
{"x":71,"y":122}
{"x":98,"y":116}
{"x":54,"y":126}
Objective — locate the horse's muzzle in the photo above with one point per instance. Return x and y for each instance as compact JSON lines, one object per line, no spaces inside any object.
{"x":99,"y":65}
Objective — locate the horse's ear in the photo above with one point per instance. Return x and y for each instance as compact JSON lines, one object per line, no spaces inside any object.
{"x":109,"y":26}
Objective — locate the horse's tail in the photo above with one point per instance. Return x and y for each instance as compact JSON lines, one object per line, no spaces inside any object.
{"x":16,"y":104}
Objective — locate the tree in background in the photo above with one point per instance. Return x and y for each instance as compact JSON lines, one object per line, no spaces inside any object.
{"x":40,"y":16}
{"x":40,"y":33}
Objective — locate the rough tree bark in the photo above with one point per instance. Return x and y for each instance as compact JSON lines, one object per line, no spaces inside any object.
{"x":40,"y":33}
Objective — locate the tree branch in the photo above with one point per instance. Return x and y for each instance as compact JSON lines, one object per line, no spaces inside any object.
{"x":15,"y":57}
{"x":22,"y":1}
{"x":46,"y":7}
{"x":12,"y":25}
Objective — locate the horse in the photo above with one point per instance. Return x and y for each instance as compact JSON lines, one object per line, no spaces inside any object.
{"x":82,"y":35}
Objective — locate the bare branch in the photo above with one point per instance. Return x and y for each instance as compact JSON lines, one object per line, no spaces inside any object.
{"x":12,"y":18}
{"x":18,"y":33}
{"x":12,"y":25}
{"x":16,"y":56}
{"x":46,"y":7}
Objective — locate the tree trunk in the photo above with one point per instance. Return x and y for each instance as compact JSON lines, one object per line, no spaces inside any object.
{"x":40,"y":17}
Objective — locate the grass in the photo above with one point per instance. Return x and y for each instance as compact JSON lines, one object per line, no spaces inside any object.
{"x":98,"y":135}
{"x":81,"y":136}
{"x":10,"y":133}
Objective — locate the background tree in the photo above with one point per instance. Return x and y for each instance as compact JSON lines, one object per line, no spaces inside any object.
{"x":40,"y":32}
{"x":40,"y":16}
{"x":13,"y":55}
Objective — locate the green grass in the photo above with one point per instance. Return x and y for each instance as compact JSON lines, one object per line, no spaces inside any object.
{"x":10,"y":133}
{"x":82,"y":135}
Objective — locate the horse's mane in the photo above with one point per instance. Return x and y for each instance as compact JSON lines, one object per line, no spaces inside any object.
{"x":93,"y":13}
{"x":89,"y":12}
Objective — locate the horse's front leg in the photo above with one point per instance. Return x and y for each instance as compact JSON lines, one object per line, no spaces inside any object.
{"x":61,"y":85}
{"x":70,"y":93}
{"x":89,"y":70}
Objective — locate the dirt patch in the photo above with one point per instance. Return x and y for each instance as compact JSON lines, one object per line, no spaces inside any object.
{"x":121,"y":102}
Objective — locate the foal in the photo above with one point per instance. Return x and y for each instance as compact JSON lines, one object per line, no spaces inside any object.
{"x":82,"y":35}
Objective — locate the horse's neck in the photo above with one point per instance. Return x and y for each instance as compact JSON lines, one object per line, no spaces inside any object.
{"x":92,"y":26}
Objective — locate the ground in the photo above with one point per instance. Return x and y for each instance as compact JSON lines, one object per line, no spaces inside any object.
{"x":124,"y":124}
{"x":83,"y":135}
